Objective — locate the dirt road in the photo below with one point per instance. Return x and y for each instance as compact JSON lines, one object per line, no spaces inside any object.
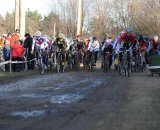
{"x":81,"y":101}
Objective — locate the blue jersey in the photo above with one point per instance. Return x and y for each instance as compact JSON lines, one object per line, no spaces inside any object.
{"x":39,"y":41}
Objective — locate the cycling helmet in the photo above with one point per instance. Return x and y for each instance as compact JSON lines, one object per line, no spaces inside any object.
{"x":94,"y":38}
{"x":61,"y":35}
{"x":38,"y":33}
{"x":155,"y":38}
{"x":141,"y":38}
{"x":128,"y":30}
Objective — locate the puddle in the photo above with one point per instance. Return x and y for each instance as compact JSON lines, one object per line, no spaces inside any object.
{"x":33,"y":96}
{"x":28,"y":114}
{"x":66,"y":98}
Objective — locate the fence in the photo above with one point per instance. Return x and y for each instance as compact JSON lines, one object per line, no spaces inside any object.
{"x":2,"y":63}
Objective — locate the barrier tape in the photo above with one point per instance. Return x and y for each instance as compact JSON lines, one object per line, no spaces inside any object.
{"x":3,"y":63}
{"x":14,"y":62}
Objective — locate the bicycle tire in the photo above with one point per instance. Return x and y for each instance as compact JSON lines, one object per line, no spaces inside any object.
{"x":41,"y":66}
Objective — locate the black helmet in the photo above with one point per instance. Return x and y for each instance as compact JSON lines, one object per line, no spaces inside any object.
{"x":94,"y":38}
{"x":141,"y":38}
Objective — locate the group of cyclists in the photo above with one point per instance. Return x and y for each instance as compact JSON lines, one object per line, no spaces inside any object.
{"x":64,"y":52}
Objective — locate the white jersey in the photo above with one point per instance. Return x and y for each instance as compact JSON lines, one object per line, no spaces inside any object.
{"x":94,"y":46}
{"x":107,"y":42}
{"x":41,"y":43}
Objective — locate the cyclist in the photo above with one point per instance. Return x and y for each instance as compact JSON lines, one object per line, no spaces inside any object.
{"x":79,"y":48}
{"x":86,"y":51}
{"x":155,"y":45}
{"x":127,"y":39}
{"x":94,"y":48}
{"x":108,"y":47}
{"x":142,"y":48}
{"x":39,"y":42}
{"x":63,"y":46}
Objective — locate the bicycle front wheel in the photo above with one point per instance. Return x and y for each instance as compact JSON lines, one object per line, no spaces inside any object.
{"x":41,"y":66}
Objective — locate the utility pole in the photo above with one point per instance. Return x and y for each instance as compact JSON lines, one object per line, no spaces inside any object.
{"x":54,"y":30}
{"x":20,"y":16}
{"x":79,"y":21}
{"x":17,"y":15}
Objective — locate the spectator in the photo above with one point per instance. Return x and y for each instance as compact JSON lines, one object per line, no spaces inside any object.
{"x":17,"y":55}
{"x":6,"y":53}
{"x":15,"y":37}
{"x":28,"y":46}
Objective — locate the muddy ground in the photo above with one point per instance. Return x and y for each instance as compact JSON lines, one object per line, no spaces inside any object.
{"x":80,"y":100}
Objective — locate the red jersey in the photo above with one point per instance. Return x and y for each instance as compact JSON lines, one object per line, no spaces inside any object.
{"x":127,"y":38}
{"x":142,"y":45}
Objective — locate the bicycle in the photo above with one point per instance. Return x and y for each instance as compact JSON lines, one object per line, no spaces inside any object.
{"x":61,"y":61}
{"x":106,"y":66}
{"x":70,"y":60}
{"x":86,"y":61}
{"x":124,"y":66}
{"x":40,"y":61}
{"x":92,"y":60}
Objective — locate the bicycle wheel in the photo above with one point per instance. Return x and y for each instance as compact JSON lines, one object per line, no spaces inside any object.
{"x":58,"y":66}
{"x":69,"y":62}
{"x":41,"y":66}
{"x":119,"y":69}
{"x":92,"y":61}
{"x":106,"y":64}
{"x":128,"y":69}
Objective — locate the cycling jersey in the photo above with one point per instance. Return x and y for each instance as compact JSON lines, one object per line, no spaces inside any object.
{"x":127,"y":39}
{"x":94,"y":46}
{"x":142,"y":45}
{"x":39,"y":43}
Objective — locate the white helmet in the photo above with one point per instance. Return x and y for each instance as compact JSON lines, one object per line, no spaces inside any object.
{"x":155,"y":38}
{"x":38,"y":33}
{"x":128,"y":30}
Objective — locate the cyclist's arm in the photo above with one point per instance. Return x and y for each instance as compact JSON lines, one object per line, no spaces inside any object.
{"x":89,"y":46}
{"x":67,"y":44}
{"x":116,"y":42}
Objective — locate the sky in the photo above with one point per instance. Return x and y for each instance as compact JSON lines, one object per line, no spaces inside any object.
{"x":40,"y":5}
